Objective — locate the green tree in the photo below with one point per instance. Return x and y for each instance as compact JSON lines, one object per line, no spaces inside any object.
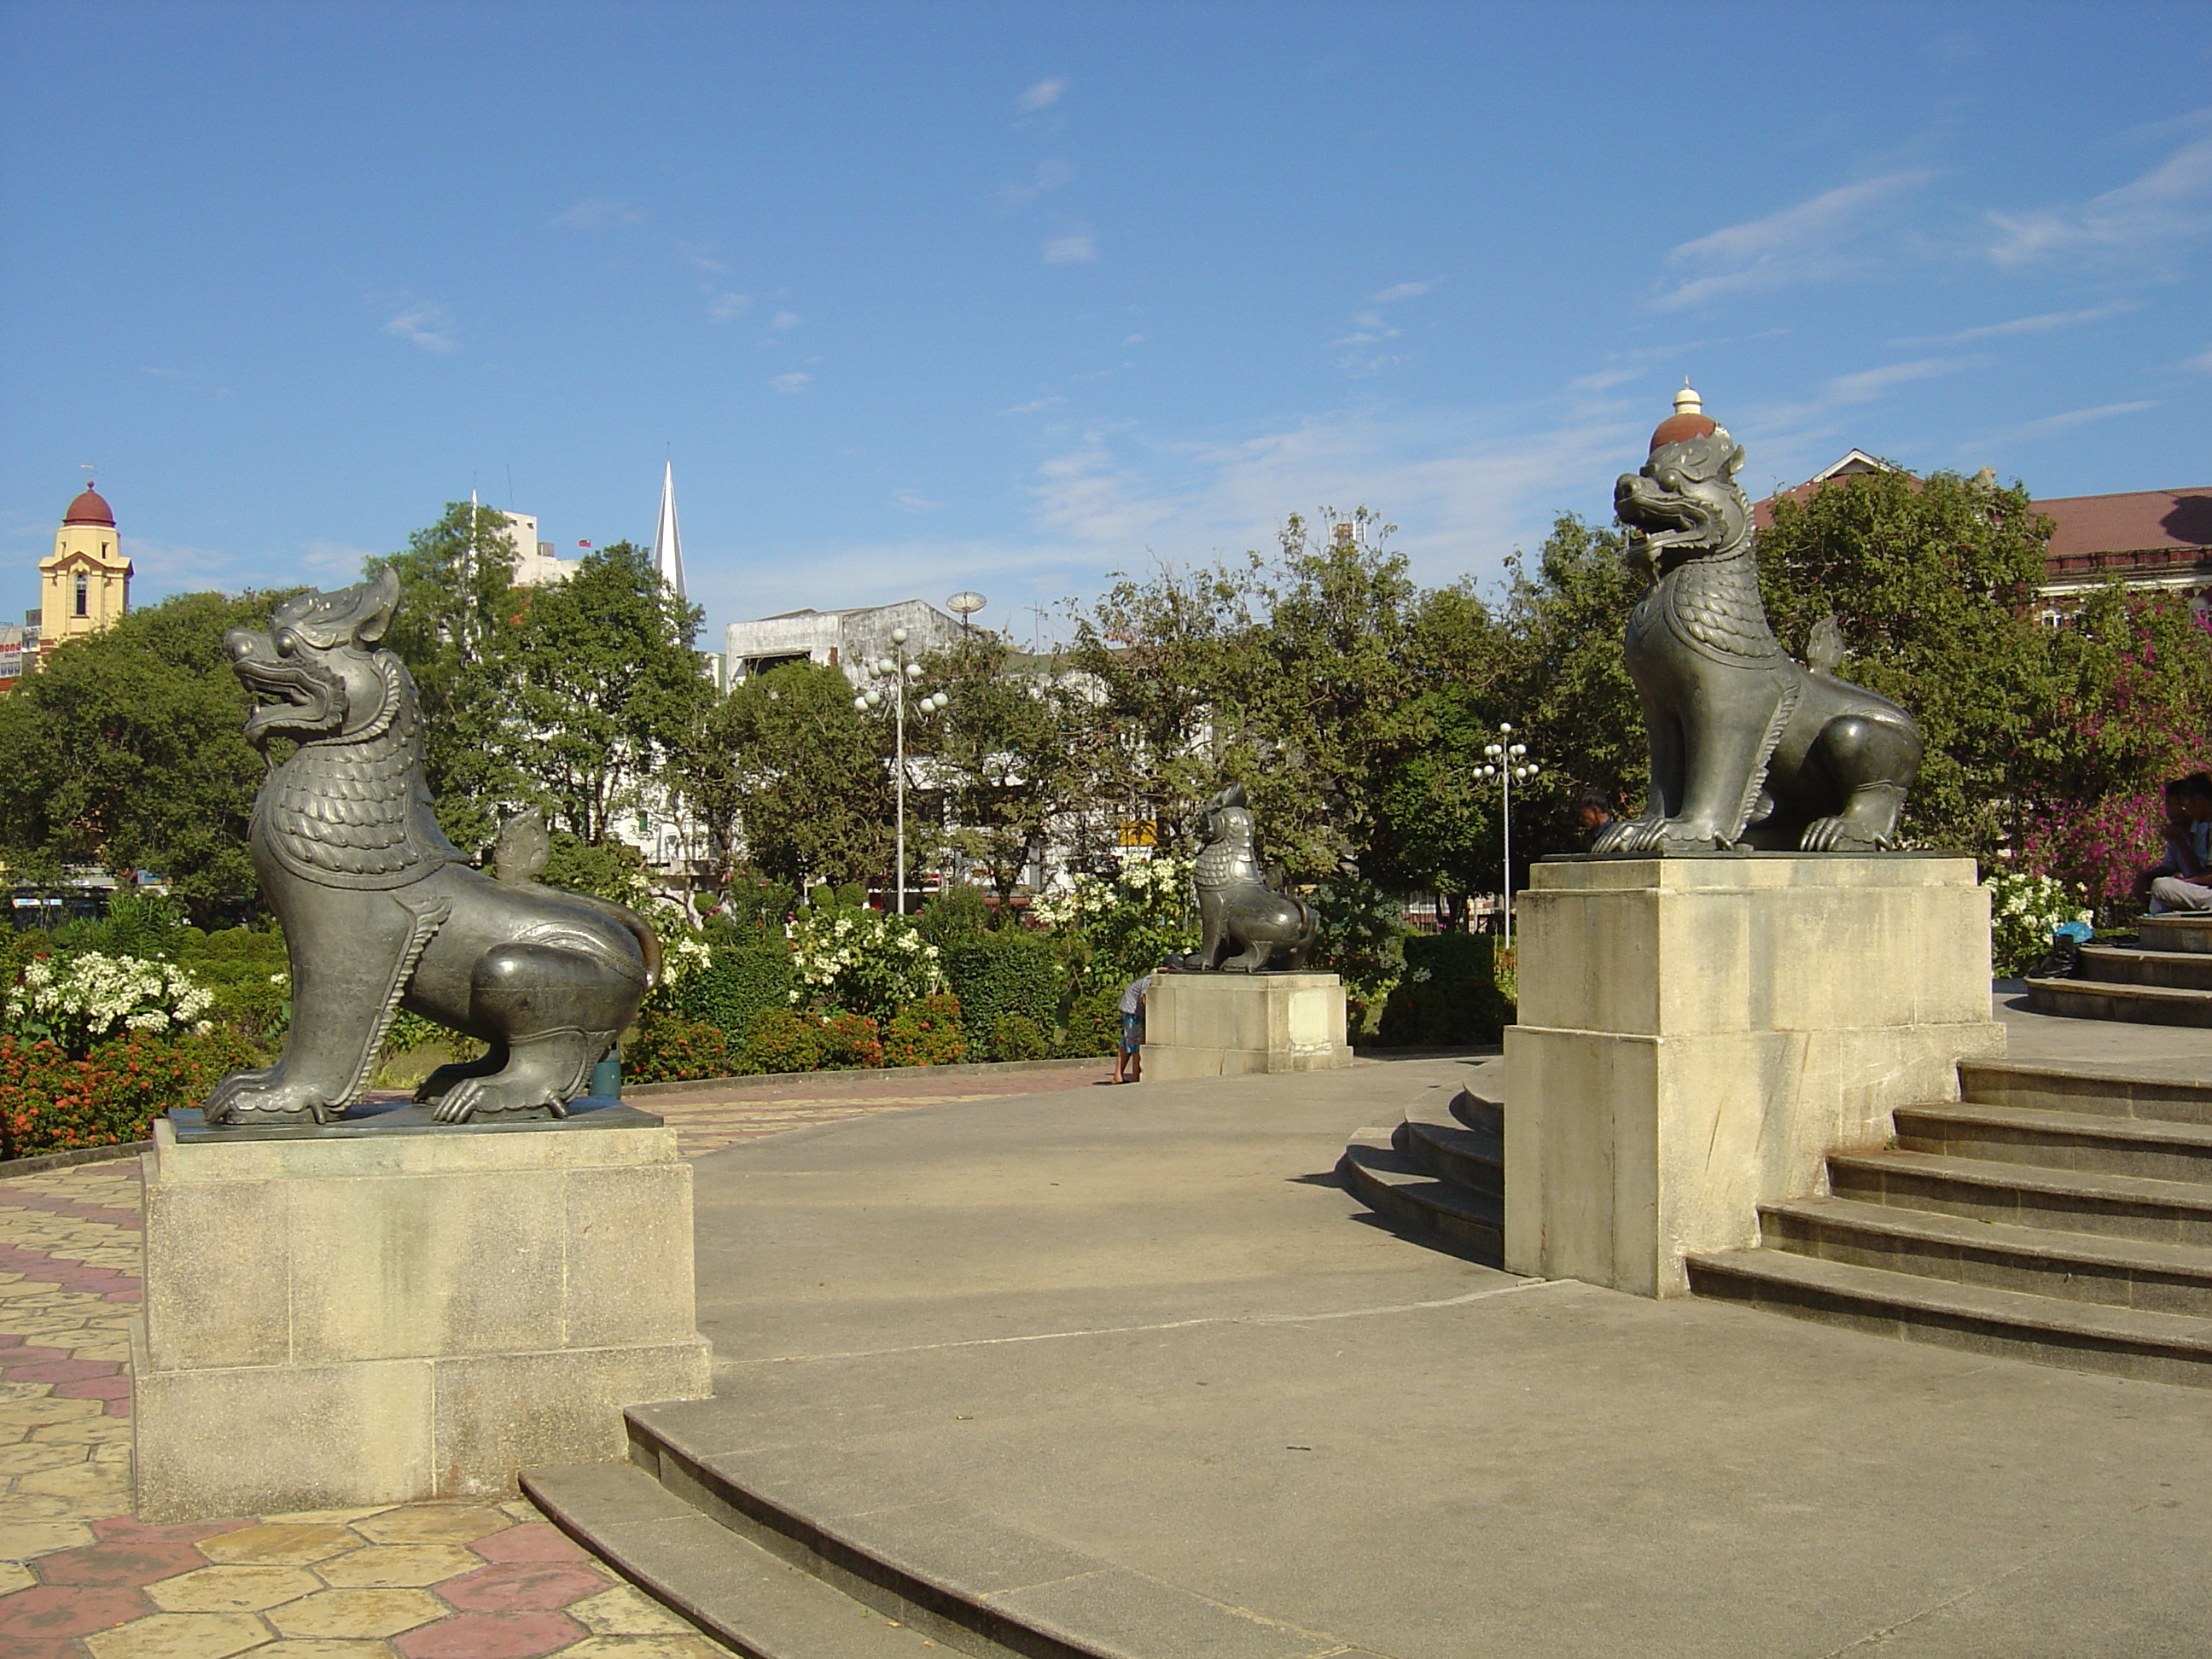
{"x":602,"y":689}
{"x":456,"y":629}
{"x":1001,"y":755}
{"x":807,"y":771}
{"x":1932,"y":580}
{"x":124,"y":750}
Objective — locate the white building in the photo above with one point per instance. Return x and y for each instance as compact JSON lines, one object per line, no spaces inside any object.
{"x":840,"y":639}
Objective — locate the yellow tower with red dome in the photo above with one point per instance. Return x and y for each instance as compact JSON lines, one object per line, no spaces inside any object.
{"x":84,"y":584}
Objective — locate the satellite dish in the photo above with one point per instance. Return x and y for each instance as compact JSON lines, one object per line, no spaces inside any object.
{"x":964,"y":605}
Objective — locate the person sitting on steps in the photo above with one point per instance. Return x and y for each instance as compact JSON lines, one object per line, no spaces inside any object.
{"x":2183,"y":879}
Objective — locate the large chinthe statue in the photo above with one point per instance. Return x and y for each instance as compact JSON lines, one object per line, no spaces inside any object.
{"x":382,"y":913}
{"x":1750,"y":750}
{"x":1245,"y":926}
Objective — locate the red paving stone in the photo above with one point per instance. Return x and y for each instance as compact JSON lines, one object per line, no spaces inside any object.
{"x":129,"y":1528}
{"x":112,"y":1388}
{"x":533,"y":1541}
{"x":61,"y":1371}
{"x":521,"y":1587}
{"x":491,"y":1636}
{"x":61,"y":1611}
{"x":134,"y":1562}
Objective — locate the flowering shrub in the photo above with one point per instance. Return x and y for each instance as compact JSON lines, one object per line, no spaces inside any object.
{"x":1123,"y":927}
{"x":866,"y":961}
{"x":670,"y":1049}
{"x":1017,"y":1036}
{"x":2025,"y":911}
{"x":1094,"y":1025}
{"x":52,"y":1101}
{"x":783,"y":1039}
{"x":847,"y":1041}
{"x":926,"y":1033}
{"x":77,"y":1001}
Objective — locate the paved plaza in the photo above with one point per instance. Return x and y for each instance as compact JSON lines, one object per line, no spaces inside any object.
{"x":80,"y":1576}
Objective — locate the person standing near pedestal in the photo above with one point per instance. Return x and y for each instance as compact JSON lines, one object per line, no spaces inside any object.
{"x":1129,"y":1057}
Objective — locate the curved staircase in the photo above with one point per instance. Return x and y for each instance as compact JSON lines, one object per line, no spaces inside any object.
{"x":2166,"y":978}
{"x":1439,"y":1175}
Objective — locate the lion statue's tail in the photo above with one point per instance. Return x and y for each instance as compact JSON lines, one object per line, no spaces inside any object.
{"x":521,"y":853}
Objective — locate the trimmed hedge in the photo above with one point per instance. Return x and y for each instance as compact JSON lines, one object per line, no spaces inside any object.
{"x":52,"y":1104}
{"x":1449,"y":996}
{"x":928,"y":1032}
{"x":1009,"y":973}
{"x":741,"y":983}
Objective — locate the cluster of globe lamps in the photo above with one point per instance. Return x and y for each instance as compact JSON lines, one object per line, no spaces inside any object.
{"x":1505,"y":760}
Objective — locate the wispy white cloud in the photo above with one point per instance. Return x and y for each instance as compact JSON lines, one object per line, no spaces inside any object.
{"x":1043,"y":95}
{"x":2051,"y":423}
{"x":784,"y":321}
{"x":2172,"y":202}
{"x":908,"y":501}
{"x":1869,"y":383}
{"x":1605,"y":380}
{"x":1133,"y":339}
{"x":599,"y":212}
{"x":427,"y":326}
{"x":722,"y":307}
{"x":699,"y":260}
{"x":2038,"y":324}
{"x":2204,"y":363}
{"x":1050,"y":175}
{"x":1402,"y":291}
{"x":1078,"y":247}
{"x":1085,"y":494}
{"x":1807,"y":243}
{"x":797,"y":380}
{"x":1034,"y":407}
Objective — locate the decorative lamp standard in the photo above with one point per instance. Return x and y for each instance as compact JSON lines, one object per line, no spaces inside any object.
{"x":899,"y":671}
{"x":1505,"y":764}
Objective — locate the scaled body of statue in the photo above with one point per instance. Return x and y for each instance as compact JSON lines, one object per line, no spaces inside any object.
{"x":1245,"y":926}
{"x":380,"y":912}
{"x":1750,"y":749}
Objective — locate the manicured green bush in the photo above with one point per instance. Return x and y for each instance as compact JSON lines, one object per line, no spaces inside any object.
{"x":246,"y":971}
{"x":744,"y":979}
{"x":1017,"y":1036}
{"x":848,"y":1042}
{"x":927,"y":1032}
{"x":1012,"y":971}
{"x":1093,"y":1027}
{"x":50,"y":1103}
{"x":1449,"y":996}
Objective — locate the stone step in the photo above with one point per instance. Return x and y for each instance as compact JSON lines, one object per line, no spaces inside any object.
{"x":2060,"y":1140}
{"x":1449,"y":1149}
{"x":751,"y":1600}
{"x":2159,"y":1347}
{"x":2141,"y":1004}
{"x":2175,"y":1279}
{"x":2121,"y":964}
{"x":2186,"y":930}
{"x":1403,"y":1192}
{"x":2083,"y":1088}
{"x":1479,"y":1113}
{"x":2068,"y":1201}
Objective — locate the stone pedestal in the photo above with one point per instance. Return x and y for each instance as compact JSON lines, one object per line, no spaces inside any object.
{"x":1226,"y":1024}
{"x":1695,"y":1033}
{"x":383,"y":1317}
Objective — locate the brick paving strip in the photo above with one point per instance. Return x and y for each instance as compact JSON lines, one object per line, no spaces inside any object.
{"x":80,"y":1578}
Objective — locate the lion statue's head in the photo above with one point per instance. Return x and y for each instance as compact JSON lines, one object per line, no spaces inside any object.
{"x":1685,"y":502}
{"x":319,"y":664}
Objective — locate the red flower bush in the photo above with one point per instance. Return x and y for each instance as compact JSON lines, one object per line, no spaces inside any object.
{"x":52,"y":1104}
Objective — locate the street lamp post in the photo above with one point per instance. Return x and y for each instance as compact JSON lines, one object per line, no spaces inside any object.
{"x":899,"y":670}
{"x":1506,"y":762}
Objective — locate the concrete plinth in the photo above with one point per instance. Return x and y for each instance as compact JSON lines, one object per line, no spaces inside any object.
{"x":1227,"y":1024}
{"x":1695,"y":1034}
{"x":333,"y":1323}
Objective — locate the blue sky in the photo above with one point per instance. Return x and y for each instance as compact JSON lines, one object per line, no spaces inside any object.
{"x":933,"y":296}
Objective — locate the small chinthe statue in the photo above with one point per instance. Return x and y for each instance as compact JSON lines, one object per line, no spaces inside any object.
{"x":1245,"y":926}
{"x":382,"y":913}
{"x":1750,"y":749}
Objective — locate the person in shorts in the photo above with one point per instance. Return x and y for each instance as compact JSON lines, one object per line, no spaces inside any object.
{"x":1129,"y":1058}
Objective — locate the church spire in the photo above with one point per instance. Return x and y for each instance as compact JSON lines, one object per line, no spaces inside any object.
{"x":667,"y":541}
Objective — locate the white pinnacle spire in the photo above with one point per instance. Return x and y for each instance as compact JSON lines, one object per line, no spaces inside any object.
{"x":667,"y":541}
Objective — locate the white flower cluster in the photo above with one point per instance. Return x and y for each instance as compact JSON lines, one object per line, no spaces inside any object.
{"x":861,"y":957}
{"x":1147,"y":884}
{"x":2025,"y":911}
{"x":683,"y":954}
{"x":89,"y":997}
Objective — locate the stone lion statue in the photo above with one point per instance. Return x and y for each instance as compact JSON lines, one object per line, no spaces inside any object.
{"x":1749,"y":750}
{"x":382,"y":913}
{"x":1237,"y":912}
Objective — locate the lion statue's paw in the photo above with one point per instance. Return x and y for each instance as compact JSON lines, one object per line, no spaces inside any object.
{"x":1838,"y":834}
{"x":474,"y":1098}
{"x":265,"y":1096}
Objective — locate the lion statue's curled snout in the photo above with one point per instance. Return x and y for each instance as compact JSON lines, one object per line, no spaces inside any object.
{"x":1749,"y":750}
{"x":382,"y":913}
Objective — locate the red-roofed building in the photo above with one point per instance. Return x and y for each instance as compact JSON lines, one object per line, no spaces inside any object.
{"x":2159,"y":538}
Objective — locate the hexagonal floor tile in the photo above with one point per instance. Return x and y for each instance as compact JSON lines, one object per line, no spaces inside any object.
{"x":232,"y":1589}
{"x":180,"y":1636}
{"x":278,"y":1546}
{"x":118,"y":1562}
{"x":391,"y":1565}
{"x":366,"y":1613}
{"x":57,"y":1611}
{"x":623,"y":1611}
{"x":432,"y":1524}
{"x":319,"y":1647}
{"x":688,"y":1645}
{"x":538,"y":1540}
{"x":523,"y":1587}
{"x":491,"y":1636}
